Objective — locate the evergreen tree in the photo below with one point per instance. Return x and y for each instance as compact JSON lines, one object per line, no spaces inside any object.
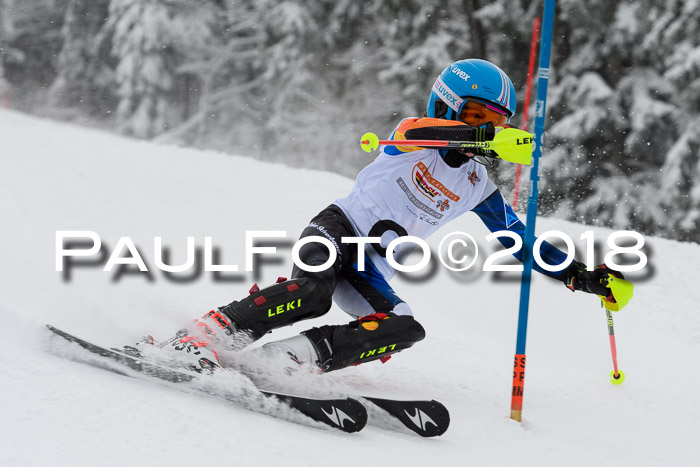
{"x":148,"y":37}
{"x":31,"y":45}
{"x":678,"y":33}
{"x":4,"y":23}
{"x":83,"y":68}
{"x":620,"y":155}
{"x":299,"y":81}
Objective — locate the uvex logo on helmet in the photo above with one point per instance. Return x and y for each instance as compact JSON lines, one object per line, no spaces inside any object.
{"x":461,"y":74}
{"x":447,"y":95}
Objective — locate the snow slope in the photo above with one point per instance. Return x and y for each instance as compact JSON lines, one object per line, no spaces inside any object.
{"x":57,"y":411}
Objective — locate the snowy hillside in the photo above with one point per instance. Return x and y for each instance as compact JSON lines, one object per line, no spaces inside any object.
{"x":59,"y":411}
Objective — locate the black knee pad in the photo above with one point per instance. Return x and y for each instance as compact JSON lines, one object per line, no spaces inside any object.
{"x":279,"y":305}
{"x":373,"y":337}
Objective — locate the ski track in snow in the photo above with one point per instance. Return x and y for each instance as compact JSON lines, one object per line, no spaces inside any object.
{"x":61,"y":411}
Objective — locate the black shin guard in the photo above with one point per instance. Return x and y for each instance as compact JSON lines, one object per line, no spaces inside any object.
{"x":279,"y":305}
{"x":370,"y":338}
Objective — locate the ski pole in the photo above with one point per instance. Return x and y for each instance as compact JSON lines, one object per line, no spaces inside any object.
{"x":617,"y":375}
{"x":511,"y":144}
{"x":622,"y":292}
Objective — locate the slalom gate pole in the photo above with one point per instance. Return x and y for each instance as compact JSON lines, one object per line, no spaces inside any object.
{"x":526,"y":107}
{"x":516,"y":405}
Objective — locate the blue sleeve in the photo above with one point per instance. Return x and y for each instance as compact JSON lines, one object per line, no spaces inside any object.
{"x":497,"y":214}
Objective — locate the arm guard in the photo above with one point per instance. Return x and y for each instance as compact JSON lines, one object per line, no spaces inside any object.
{"x":437,"y":129}
{"x":451,"y":133}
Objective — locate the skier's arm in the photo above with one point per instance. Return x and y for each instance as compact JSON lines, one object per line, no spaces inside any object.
{"x":497,"y":215}
{"x":438,"y":129}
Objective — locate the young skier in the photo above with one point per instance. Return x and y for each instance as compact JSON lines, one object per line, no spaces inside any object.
{"x":405,"y":191}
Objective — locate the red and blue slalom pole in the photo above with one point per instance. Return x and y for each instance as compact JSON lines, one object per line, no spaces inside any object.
{"x":516,"y":405}
{"x":526,"y":106}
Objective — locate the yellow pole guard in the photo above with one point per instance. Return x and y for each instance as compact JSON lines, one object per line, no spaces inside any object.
{"x":513,"y":145}
{"x":622,"y":292}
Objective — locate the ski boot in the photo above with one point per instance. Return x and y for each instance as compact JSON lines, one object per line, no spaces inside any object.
{"x":192,"y":348}
{"x":181,"y":351}
{"x":282,"y":304}
{"x":238,"y":324}
{"x":330,"y":348}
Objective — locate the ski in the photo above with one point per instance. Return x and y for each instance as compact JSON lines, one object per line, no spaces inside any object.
{"x":426,"y":418}
{"x":347,"y":415}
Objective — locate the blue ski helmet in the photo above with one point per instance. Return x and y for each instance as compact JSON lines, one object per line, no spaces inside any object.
{"x":470,"y":78}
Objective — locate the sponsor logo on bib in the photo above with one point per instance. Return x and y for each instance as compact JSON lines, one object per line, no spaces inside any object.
{"x":439,"y":195}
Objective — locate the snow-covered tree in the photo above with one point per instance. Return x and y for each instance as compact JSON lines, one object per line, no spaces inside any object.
{"x":31,"y":44}
{"x":298,"y":81}
{"x":678,"y":34}
{"x":622,"y":142}
{"x":83,"y":67}
{"x":147,"y":41}
{"x":4,"y":26}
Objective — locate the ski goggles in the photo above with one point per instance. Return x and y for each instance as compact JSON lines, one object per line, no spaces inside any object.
{"x":477,"y":113}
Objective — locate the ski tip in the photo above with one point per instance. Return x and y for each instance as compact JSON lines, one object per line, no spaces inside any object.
{"x":55,"y":330}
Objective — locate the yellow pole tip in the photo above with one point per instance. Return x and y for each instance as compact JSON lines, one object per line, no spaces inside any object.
{"x":620,"y":377}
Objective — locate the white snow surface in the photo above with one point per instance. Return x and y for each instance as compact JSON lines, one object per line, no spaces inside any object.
{"x":60,"y":411}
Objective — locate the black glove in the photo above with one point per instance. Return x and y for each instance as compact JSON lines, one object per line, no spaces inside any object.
{"x":456,"y":157}
{"x":485,"y":133}
{"x":576,"y":277}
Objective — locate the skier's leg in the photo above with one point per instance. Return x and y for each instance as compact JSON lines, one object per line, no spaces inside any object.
{"x":373,"y":337}
{"x":307,"y":295}
{"x":362,"y":293}
{"x":239,"y":323}
{"x":386,"y":327}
